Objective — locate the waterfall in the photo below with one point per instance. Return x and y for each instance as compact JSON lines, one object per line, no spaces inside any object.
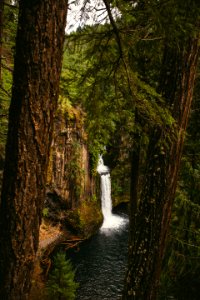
{"x":110,"y":220}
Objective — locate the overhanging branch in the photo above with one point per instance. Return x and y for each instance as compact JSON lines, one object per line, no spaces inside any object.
{"x":115,"y":29}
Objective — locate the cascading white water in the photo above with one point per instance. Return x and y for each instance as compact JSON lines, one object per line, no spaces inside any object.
{"x":110,"y":220}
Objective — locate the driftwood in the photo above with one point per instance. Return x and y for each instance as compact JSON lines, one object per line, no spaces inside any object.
{"x":47,"y":246}
{"x":74,"y":243}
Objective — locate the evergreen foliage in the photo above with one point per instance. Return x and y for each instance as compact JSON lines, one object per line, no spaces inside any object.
{"x":9,"y":27}
{"x":61,"y":284}
{"x":109,"y":89}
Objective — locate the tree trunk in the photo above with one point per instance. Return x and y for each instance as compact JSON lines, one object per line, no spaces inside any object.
{"x":39,"y":45}
{"x":149,"y":221}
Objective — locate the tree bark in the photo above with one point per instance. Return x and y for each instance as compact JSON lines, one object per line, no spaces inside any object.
{"x":150,"y":219}
{"x":39,"y":45}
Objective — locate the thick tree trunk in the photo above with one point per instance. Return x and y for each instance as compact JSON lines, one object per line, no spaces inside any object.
{"x":38,"y":57}
{"x":150,"y":218}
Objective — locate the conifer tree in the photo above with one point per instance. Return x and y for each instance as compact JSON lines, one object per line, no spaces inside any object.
{"x":61,"y":284}
{"x":37,"y":66}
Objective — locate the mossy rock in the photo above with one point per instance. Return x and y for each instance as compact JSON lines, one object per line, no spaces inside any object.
{"x":85,"y":220}
{"x":118,"y":200}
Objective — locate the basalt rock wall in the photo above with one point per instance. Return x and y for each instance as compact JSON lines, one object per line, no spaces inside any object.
{"x":69,"y":176}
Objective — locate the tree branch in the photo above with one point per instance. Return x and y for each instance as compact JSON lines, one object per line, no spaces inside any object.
{"x":115,"y":29}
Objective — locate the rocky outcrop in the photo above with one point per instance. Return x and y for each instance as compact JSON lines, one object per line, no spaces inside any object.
{"x":70,"y":183}
{"x":69,"y":175}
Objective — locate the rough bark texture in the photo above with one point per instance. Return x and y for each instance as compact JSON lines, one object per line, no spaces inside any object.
{"x":38,"y":57}
{"x":150,"y":219}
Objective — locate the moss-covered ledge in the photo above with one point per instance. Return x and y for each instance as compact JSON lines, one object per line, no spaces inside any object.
{"x":84,"y":220}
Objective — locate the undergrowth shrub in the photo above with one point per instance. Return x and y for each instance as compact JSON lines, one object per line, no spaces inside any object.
{"x":61,"y":284}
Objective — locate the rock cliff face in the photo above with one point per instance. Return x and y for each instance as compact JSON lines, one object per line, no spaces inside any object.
{"x":70,"y":185}
{"x":69,"y":174}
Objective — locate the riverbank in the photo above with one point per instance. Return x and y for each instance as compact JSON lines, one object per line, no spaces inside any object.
{"x":50,"y":237}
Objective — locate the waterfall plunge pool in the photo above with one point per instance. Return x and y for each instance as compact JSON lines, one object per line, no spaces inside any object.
{"x":101,"y":264}
{"x":101,"y":261}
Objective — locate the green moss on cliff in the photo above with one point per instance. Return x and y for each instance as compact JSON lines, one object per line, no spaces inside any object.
{"x":71,"y":114}
{"x":86,"y":219}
